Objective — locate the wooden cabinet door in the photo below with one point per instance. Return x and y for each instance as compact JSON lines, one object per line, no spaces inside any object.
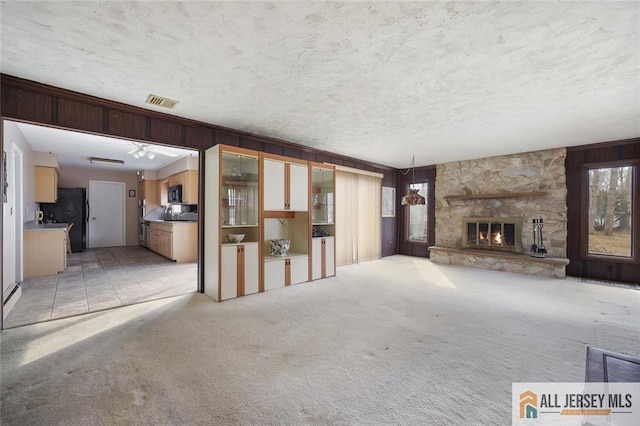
{"x":229,"y":278}
{"x":251,"y":268}
{"x":46,"y":184}
{"x":274,"y":275}
{"x":190,"y":187}
{"x":273,"y":185}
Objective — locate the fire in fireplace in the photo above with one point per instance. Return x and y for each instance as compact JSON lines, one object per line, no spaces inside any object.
{"x":493,"y":233}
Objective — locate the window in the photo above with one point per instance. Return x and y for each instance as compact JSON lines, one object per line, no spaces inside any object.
{"x":610,"y":216}
{"x":418,"y":217}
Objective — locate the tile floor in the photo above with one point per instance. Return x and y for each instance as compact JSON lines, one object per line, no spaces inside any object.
{"x":99,"y":279}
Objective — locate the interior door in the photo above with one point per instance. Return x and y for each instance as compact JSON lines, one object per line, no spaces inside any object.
{"x":106,"y":214}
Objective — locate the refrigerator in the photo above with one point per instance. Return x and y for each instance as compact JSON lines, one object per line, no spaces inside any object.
{"x":71,"y":207}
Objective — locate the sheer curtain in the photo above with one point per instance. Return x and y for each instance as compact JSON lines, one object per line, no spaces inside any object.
{"x":357,"y":217}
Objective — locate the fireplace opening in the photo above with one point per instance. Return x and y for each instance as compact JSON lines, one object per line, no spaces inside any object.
{"x":502,"y":234}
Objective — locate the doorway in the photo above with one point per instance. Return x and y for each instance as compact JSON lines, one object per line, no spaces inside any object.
{"x":106,"y":214}
{"x":13,"y":227}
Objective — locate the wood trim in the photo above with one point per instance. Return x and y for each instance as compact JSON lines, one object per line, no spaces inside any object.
{"x":496,"y":195}
{"x":261,"y":217}
{"x":218,"y":225}
{"x":279,"y":214}
{"x":324,"y":166}
{"x":240,"y":271}
{"x":238,"y":150}
{"x":324,"y":258}
{"x":284,"y":158}
{"x":287,"y":272}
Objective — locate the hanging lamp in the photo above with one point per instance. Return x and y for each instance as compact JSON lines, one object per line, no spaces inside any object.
{"x":412,"y":198}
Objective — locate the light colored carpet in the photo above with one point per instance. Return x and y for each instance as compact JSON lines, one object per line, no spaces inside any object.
{"x":394,"y":341}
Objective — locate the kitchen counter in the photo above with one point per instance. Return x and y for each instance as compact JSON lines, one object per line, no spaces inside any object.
{"x":34,"y":226}
{"x":45,"y":251}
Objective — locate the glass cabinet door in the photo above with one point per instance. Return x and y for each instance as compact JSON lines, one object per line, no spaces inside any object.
{"x":239,"y":197}
{"x":322,"y":193}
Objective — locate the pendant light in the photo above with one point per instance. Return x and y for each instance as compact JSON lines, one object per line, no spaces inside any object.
{"x":412,"y":198}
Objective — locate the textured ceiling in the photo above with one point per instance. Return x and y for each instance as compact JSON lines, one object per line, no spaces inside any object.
{"x":380,"y":81}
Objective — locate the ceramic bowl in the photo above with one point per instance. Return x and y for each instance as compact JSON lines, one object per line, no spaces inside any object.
{"x":279,"y":247}
{"x":235,"y":238}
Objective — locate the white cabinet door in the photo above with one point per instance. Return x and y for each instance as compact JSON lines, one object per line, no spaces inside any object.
{"x":273,"y":185}
{"x":299,"y":187}
{"x":229,"y":272}
{"x":330,"y":259}
{"x":316,"y":258}
{"x":273,"y":274}
{"x":251,"y":268}
{"x":299,"y":269}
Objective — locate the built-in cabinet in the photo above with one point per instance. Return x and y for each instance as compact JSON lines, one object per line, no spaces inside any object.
{"x":174,"y":240}
{"x":189,"y":182}
{"x":45,"y":251}
{"x":46,"y":184}
{"x":265,"y":197}
{"x":322,"y":221}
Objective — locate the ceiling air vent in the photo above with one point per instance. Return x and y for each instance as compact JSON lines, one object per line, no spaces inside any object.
{"x":160,"y":101}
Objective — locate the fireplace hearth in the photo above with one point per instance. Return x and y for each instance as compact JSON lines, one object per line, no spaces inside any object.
{"x":493,"y":233}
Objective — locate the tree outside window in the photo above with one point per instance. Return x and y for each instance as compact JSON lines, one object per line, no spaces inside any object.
{"x":610,"y":211}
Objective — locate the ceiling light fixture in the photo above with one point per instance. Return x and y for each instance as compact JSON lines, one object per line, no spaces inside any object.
{"x":107,"y":161}
{"x":412,"y":198}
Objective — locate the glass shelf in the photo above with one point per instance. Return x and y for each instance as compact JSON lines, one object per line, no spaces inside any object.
{"x":239,"y":196}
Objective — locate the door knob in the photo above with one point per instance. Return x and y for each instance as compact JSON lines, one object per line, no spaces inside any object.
{"x":93,"y":218}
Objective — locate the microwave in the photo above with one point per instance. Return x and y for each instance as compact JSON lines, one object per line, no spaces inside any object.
{"x":174,"y":194}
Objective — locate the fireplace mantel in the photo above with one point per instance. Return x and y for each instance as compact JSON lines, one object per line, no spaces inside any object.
{"x":496,"y":195}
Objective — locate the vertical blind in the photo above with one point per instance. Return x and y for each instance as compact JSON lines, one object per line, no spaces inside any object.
{"x":357,"y":217}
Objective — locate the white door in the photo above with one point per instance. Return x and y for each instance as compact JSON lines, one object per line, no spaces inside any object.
{"x":273,"y":185}
{"x":106,"y":214}
{"x":316,"y":258}
{"x":273,"y":274}
{"x":299,"y":187}
{"x":299,"y":269}
{"x":229,"y":272}
{"x":251,"y":268}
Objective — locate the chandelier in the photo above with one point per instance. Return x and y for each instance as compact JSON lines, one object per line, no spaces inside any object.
{"x":412,"y":198}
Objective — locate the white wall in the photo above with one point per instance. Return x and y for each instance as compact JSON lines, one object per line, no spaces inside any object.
{"x":79,"y":177}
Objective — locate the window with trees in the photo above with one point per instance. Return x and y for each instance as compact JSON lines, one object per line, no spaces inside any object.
{"x":610,"y":224}
{"x":418,"y":216}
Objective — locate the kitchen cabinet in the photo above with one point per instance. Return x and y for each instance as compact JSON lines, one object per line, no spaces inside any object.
{"x":189,"y":182}
{"x":281,"y":272}
{"x":322,"y":257}
{"x":46,"y":184}
{"x":45,"y":250}
{"x":232,"y":206}
{"x":148,"y":190}
{"x":285,"y":185}
{"x":240,"y":270}
{"x":174,"y":240}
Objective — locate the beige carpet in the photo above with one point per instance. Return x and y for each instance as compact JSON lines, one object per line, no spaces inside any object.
{"x":395,"y":341}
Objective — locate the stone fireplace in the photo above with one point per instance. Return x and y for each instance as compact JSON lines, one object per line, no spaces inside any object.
{"x":483,"y":208}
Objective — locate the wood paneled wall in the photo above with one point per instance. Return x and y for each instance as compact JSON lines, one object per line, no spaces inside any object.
{"x":602,"y":267}
{"x":37,"y":103}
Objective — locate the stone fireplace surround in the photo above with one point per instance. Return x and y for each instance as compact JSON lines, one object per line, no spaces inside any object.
{"x":526,"y":186}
